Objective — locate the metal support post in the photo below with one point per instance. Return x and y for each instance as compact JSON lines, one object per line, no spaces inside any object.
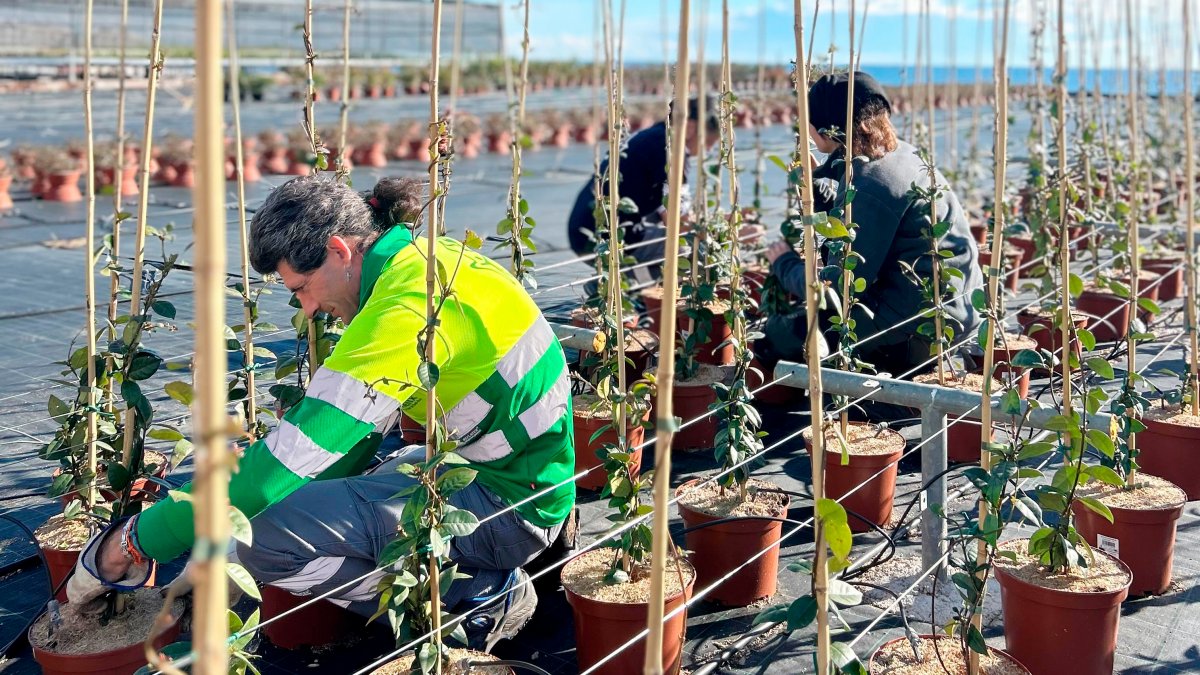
{"x":933,"y":463}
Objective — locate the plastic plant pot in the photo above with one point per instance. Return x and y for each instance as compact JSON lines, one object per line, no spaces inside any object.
{"x":876,"y":473}
{"x":1144,"y":539}
{"x":119,"y":661}
{"x":1171,"y":451}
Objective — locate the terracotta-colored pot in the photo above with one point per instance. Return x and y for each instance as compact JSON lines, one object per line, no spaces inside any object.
{"x":1145,"y":540}
{"x":980,"y":233}
{"x":334,"y":93}
{"x":120,"y":661}
{"x":872,"y":501}
{"x":1011,"y":269}
{"x":720,"y":549}
{"x":776,"y":394}
{"x":166,"y":173}
{"x":652,"y":300}
{"x":275,"y":160}
{"x":185,"y":175}
{"x":250,"y":165}
{"x":963,"y":440}
{"x":1047,"y":337}
{"x":129,"y":186}
{"x":499,"y":142}
{"x":418,"y":149}
{"x":59,"y":564}
{"x":711,"y":351}
{"x":602,"y":628}
{"x":317,"y":624}
{"x":6,"y":201}
{"x":1026,"y":245}
{"x":691,"y":400}
{"x":585,"y":451}
{"x":296,"y":167}
{"x":1097,"y":305}
{"x":1039,"y":621}
{"x":1002,"y":356}
{"x":1013,"y":663}
{"x":1171,"y":451}
{"x":585,"y":134}
{"x":1172,"y":284}
{"x":62,"y":187}
{"x":560,"y":137}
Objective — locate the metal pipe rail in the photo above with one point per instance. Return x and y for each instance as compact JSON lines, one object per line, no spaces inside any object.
{"x":935,"y":403}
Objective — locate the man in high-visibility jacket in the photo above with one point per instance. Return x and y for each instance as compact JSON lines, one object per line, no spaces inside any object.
{"x":317,"y":523}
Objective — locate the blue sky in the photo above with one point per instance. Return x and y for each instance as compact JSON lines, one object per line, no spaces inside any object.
{"x":564,"y":29}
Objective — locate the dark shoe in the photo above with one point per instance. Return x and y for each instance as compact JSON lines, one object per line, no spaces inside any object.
{"x":501,"y":616}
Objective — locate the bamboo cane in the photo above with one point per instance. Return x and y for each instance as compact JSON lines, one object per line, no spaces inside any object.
{"x":139,"y":237}
{"x":994,"y":272}
{"x":310,"y":125}
{"x":430,"y":311}
{"x":456,"y":58}
{"x":244,"y":239}
{"x":1190,"y":201}
{"x":209,"y":625}
{"x":344,"y":108}
{"x":952,"y":95}
{"x":935,"y":274}
{"x":847,"y":178}
{"x":517,"y":129}
{"x":1064,"y":244}
{"x":114,"y":277}
{"x":89,"y":279}
{"x":1133,"y":224}
{"x":616,"y":106}
{"x":820,"y":572}
{"x":665,"y":426}
{"x":700,"y":203}
{"x":760,"y":101}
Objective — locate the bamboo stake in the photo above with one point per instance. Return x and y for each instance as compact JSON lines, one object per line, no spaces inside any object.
{"x":1190,"y":202}
{"x":516,"y":117}
{"x":935,"y":274}
{"x":139,"y":237}
{"x":244,"y":240}
{"x":820,"y":572}
{"x":1132,"y":224}
{"x":760,"y":104}
{"x":847,"y":178}
{"x":89,"y":279}
{"x":700,"y":204}
{"x":1064,"y":244}
{"x":430,"y":311}
{"x":952,"y":95}
{"x":209,"y":625}
{"x":344,"y":108}
{"x":114,"y":278}
{"x":456,"y":58}
{"x":310,"y":125}
{"x":665,"y":426}
{"x":616,"y":105}
{"x":993,"y":275}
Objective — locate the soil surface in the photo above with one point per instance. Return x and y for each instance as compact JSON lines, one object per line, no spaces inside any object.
{"x":585,"y":575}
{"x":460,"y":660}
{"x":1104,"y":576}
{"x":1014,"y":342}
{"x":63,"y":535}
{"x":1173,"y":415}
{"x":896,"y":658}
{"x":709,"y":500}
{"x":584,"y":407}
{"x":864,"y":439}
{"x":81,"y":634}
{"x":706,"y":376}
{"x":960,"y":381}
{"x":1148,"y":493}
{"x":641,"y":340}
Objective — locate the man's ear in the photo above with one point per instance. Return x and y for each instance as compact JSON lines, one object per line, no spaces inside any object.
{"x":340,"y":249}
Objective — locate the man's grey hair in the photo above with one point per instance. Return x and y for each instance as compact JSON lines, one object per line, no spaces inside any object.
{"x":299,"y":217}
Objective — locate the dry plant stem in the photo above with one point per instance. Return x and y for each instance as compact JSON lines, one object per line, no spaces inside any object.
{"x":161,"y":621}
{"x":344,"y":108}
{"x":1132,"y":224}
{"x":848,"y":177}
{"x":517,"y":125}
{"x":1190,"y":205}
{"x":700,"y":204}
{"x":430,"y":311}
{"x":661,"y":543}
{"x":310,"y":124}
{"x":139,"y":237}
{"x":935,"y":274}
{"x":820,"y":572}
{"x":89,"y":279}
{"x":993,"y":274}
{"x":244,"y":240}
{"x":615,"y":84}
{"x":456,"y":59}
{"x":115,"y":279}
{"x":213,"y":458}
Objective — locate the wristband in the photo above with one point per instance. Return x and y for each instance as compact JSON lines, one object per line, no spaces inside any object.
{"x":128,"y":542}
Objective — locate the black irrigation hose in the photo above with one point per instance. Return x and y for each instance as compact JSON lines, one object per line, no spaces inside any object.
{"x":19,"y":639}
{"x":519,"y":665}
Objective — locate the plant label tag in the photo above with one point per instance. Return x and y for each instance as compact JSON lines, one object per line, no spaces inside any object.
{"x":1110,"y":545}
{"x":923,"y":503}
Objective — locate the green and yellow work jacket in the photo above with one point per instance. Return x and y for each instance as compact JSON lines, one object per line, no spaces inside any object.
{"x":503,"y":388}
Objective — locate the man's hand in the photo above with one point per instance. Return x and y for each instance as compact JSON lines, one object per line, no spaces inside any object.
{"x":777,"y":249}
{"x":112,"y":563}
{"x":103,"y":566}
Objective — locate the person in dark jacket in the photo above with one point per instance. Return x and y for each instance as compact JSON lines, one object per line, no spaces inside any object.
{"x":891,"y":235}
{"x":643,"y":179}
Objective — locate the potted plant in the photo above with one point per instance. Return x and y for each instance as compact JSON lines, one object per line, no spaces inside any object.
{"x":177,"y":154}
{"x":585,"y":128}
{"x":6,"y":179}
{"x":469,"y":133}
{"x":400,"y":138}
{"x":274,"y":151}
{"x":498,"y":134}
{"x":300,"y":154}
{"x":59,"y":173}
{"x":113,"y":173}
{"x":1167,"y":446}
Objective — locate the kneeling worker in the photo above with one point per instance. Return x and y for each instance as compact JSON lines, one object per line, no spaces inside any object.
{"x":317,"y":523}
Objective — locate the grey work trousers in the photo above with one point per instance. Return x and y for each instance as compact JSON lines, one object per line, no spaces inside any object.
{"x":330,"y":533}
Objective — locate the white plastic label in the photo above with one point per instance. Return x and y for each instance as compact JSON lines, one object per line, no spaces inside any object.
{"x":924,"y":501}
{"x":1110,"y":545}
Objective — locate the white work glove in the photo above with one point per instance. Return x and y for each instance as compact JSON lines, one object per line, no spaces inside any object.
{"x":86,"y":585}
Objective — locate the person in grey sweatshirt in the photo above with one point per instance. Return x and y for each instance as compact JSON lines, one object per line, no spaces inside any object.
{"x":891,"y":238}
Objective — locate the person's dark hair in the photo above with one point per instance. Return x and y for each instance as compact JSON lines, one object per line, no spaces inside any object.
{"x":296,"y":221}
{"x":712,"y":111}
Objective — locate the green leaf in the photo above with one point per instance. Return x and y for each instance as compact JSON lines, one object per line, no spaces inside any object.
{"x":842,"y":656}
{"x":801,"y":612}
{"x":1075,"y":285}
{"x":118,"y":476}
{"x":1102,"y":442}
{"x":57,"y":408}
{"x":427,"y":657}
{"x":837,"y":530}
{"x":1028,"y":358}
{"x":163,"y":309}
{"x":132,"y":393}
{"x":773,"y":614}
{"x":144,"y":365}
{"x":843,"y":593}
{"x":180,"y":391}
{"x":428,"y":374}
{"x":974,"y":638}
{"x":473,"y":240}
{"x":1101,"y":367}
{"x":1097,"y":506}
{"x":454,"y":480}
{"x":165,"y":434}
{"x":239,"y":526}
{"x":238,"y":575}
{"x":1149,"y":305}
{"x":1086,"y":338}
{"x":459,"y":522}
{"x":1105,"y":475}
